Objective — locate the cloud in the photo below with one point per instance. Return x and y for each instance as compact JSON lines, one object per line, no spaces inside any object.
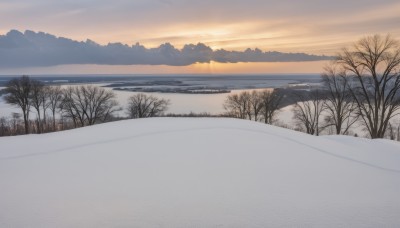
{"x":285,"y":25}
{"x":38,"y":49}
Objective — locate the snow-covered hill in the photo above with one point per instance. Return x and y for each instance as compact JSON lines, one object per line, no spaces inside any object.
{"x":166,"y":172}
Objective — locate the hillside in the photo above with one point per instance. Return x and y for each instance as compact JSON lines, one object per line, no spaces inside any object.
{"x":186,"y":172}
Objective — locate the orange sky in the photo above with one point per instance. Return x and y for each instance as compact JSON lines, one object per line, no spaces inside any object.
{"x":198,"y":68}
{"x":315,"y":27}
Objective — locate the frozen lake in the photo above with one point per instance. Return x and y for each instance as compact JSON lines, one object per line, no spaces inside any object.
{"x":181,"y":103}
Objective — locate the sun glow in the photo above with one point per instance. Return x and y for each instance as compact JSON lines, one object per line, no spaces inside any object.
{"x":197,"y":68}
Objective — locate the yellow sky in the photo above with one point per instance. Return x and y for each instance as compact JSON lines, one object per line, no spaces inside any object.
{"x":314,"y":67}
{"x":315,"y":27}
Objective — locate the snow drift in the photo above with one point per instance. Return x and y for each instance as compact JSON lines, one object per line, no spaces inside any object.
{"x":166,"y":172}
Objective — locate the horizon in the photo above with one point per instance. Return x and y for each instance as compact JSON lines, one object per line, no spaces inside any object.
{"x":160,"y":74}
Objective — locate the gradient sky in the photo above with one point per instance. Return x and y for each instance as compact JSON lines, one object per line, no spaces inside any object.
{"x":313,"y":26}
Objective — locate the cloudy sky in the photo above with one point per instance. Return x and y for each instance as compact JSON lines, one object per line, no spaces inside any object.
{"x":319,"y":27}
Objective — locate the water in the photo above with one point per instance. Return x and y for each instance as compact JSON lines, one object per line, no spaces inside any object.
{"x":180,"y":103}
{"x":226,"y":81}
{"x":186,"y":103}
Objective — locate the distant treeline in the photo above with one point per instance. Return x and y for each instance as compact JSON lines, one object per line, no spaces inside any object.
{"x":57,"y":108}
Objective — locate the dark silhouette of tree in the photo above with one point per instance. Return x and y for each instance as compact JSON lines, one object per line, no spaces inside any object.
{"x":45,"y":105}
{"x":88,"y":105}
{"x":339,"y":105}
{"x":4,"y":127}
{"x":37,"y":97}
{"x":142,"y":106}
{"x":55,"y":96}
{"x":256,"y":104}
{"x":307,"y":111}
{"x":373,"y":63}
{"x":398,"y":132}
{"x":71,"y":107}
{"x":238,"y":105}
{"x":270,"y":104}
{"x":18,"y":93}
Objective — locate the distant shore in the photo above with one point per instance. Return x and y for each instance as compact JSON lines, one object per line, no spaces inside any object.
{"x":184,"y":91}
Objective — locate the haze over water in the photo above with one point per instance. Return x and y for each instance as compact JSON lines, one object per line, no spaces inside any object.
{"x":180,"y":103}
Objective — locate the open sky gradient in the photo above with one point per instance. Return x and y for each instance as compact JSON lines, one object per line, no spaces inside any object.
{"x":319,"y":27}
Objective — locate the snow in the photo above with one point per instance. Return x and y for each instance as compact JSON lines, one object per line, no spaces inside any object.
{"x":197,"y":172}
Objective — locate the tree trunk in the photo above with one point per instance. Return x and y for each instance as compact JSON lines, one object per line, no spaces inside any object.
{"x":26,"y":122}
{"x":54,"y":120}
{"x":39,"y":122}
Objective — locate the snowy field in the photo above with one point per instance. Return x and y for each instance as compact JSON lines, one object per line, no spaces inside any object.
{"x":186,"y":172}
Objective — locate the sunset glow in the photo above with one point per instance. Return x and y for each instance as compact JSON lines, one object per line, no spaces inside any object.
{"x":320,"y":28}
{"x":198,"y":68}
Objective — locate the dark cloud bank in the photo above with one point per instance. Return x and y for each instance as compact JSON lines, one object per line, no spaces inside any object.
{"x":30,"y":49}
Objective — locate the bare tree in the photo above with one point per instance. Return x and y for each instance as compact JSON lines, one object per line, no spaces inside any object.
{"x":18,"y":93}
{"x":256,"y":104}
{"x":45,"y":105}
{"x":245,"y":98}
{"x":71,"y":108}
{"x":374,"y":63}
{"x":233,"y":106}
{"x":4,"y":127}
{"x":36,"y":98}
{"x":101,"y":104}
{"x":55,"y":97}
{"x":238,"y":105}
{"x":398,"y":132}
{"x":339,"y":105}
{"x":88,"y":105}
{"x":307,"y":111}
{"x":84,"y":105}
{"x":391,"y":132}
{"x":270,"y":104}
{"x":142,"y":106}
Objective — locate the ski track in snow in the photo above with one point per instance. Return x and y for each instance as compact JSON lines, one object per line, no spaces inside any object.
{"x":197,"y":129}
{"x":197,"y":172}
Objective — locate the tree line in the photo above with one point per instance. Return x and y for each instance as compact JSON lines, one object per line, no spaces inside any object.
{"x":256,"y":105}
{"x":361,"y":86}
{"x":56,"y":108}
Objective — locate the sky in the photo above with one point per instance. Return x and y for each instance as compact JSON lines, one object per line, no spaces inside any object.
{"x":317,"y":27}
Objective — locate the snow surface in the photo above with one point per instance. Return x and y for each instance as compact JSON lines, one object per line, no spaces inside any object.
{"x":187,"y":172}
